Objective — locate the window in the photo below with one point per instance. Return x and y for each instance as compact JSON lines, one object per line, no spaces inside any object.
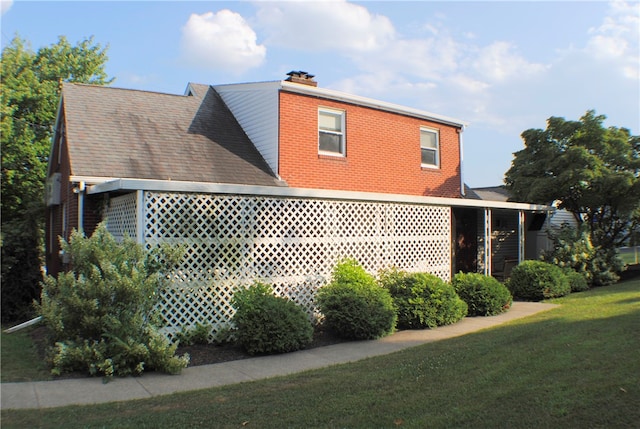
{"x":429,"y":147}
{"x":331,"y":132}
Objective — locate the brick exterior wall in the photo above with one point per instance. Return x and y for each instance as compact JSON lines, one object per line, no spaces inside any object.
{"x":62,"y":219}
{"x":382,"y":151}
{"x":57,"y":216}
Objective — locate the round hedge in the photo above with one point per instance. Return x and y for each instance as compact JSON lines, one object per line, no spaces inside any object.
{"x":353,"y":304}
{"x":577,"y":281}
{"x":537,"y":280}
{"x":268,"y":324}
{"x":484,"y":295}
{"x":423,"y":300}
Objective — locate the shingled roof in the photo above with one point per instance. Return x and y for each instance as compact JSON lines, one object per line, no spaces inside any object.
{"x":122,"y":133}
{"x":492,"y":193}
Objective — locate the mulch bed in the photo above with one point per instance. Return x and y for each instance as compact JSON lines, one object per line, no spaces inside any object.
{"x":200,"y":354}
{"x":208,"y":353}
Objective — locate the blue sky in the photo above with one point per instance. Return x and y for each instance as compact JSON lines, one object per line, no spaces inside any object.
{"x":504,"y":67}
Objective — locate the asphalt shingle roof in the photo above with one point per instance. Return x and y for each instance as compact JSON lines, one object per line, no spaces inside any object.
{"x":492,"y":193}
{"x":125,"y":133}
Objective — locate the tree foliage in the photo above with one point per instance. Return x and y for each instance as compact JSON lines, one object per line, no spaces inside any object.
{"x":593,"y":171}
{"x":29,"y":101}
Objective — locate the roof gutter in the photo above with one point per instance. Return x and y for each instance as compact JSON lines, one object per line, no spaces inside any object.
{"x":124,"y":184}
{"x":369,"y":102}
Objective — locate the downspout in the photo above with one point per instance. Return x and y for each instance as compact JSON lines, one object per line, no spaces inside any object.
{"x":460,"y":141}
{"x":80,"y":191}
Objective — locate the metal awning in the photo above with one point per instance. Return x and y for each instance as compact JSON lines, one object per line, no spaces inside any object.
{"x":124,"y":184}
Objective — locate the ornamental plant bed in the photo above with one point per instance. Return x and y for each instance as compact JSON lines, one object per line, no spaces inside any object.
{"x":200,"y":354}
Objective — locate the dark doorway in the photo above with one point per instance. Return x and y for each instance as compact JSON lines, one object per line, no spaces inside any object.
{"x":465,"y":240}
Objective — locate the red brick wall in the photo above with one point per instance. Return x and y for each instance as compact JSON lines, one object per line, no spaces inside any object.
{"x":382,"y":151}
{"x":62,"y":219}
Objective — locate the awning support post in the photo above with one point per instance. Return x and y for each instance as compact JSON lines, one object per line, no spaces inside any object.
{"x":487,"y":242}
{"x":521,"y":236}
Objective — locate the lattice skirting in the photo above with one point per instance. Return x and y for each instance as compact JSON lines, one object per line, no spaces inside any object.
{"x":291,"y":243}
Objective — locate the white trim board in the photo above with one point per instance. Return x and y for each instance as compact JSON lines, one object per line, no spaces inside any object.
{"x":124,"y":184}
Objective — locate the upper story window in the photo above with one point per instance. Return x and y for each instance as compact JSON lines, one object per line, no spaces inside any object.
{"x":430,"y":147}
{"x":331,"y":139}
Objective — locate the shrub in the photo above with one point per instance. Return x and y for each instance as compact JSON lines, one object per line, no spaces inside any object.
{"x":573,"y":249}
{"x":537,"y":280}
{"x":577,"y":281}
{"x":101,"y":314}
{"x":484,"y":295}
{"x":354,"y":305}
{"x":269,"y":324}
{"x":422,"y":300}
{"x":198,"y":334}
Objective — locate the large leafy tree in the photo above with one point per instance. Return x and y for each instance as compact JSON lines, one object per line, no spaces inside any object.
{"x":29,"y":101}
{"x":592,"y":170}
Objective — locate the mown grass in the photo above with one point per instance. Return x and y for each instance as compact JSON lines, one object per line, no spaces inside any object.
{"x":20,"y":361}
{"x":572,"y":367}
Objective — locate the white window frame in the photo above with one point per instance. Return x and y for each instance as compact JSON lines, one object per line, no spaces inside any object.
{"x":341,"y":133}
{"x":436,"y":150}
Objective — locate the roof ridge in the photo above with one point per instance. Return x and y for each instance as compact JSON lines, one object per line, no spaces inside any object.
{"x":117,"y":88}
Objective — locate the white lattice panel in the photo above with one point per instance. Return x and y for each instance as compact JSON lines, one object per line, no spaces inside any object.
{"x":292,"y":243}
{"x":121,"y":216}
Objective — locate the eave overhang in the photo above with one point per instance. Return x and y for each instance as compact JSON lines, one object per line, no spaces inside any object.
{"x":124,"y":185}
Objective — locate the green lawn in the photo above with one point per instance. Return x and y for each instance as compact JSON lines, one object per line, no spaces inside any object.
{"x":20,"y":361}
{"x":572,"y":367}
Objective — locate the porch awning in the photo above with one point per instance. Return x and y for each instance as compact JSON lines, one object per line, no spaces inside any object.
{"x":123,"y":184}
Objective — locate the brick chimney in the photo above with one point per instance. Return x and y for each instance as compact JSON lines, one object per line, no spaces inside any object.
{"x":302,"y":77}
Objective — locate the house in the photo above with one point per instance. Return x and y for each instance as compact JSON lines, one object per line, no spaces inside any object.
{"x":271,"y":181}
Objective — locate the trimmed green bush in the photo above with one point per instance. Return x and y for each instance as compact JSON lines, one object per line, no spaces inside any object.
{"x":484,"y":295}
{"x":423,"y":300}
{"x":268,"y":324}
{"x":537,"y":280}
{"x":577,"y":282}
{"x":354,"y":305}
{"x":102,"y":315}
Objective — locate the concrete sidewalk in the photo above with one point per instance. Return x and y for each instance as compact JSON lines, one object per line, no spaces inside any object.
{"x":48,"y":394}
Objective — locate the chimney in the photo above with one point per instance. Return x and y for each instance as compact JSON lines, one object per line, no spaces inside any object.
{"x":302,"y":77}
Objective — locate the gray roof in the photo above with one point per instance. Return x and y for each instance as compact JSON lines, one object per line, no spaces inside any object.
{"x":123,"y":133}
{"x":492,"y":193}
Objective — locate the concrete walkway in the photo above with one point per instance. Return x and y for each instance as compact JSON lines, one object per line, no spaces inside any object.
{"x":48,"y":394}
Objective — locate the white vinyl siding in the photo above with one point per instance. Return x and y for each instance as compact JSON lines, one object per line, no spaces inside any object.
{"x":255,"y":107}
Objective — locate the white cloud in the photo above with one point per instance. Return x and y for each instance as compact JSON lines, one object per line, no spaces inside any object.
{"x":498,"y":62}
{"x":450,"y":75}
{"x":221,"y":41}
{"x":469,"y":83}
{"x":5,"y":5}
{"x":617,"y":39}
{"x":431,"y":58}
{"x":324,"y":26}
